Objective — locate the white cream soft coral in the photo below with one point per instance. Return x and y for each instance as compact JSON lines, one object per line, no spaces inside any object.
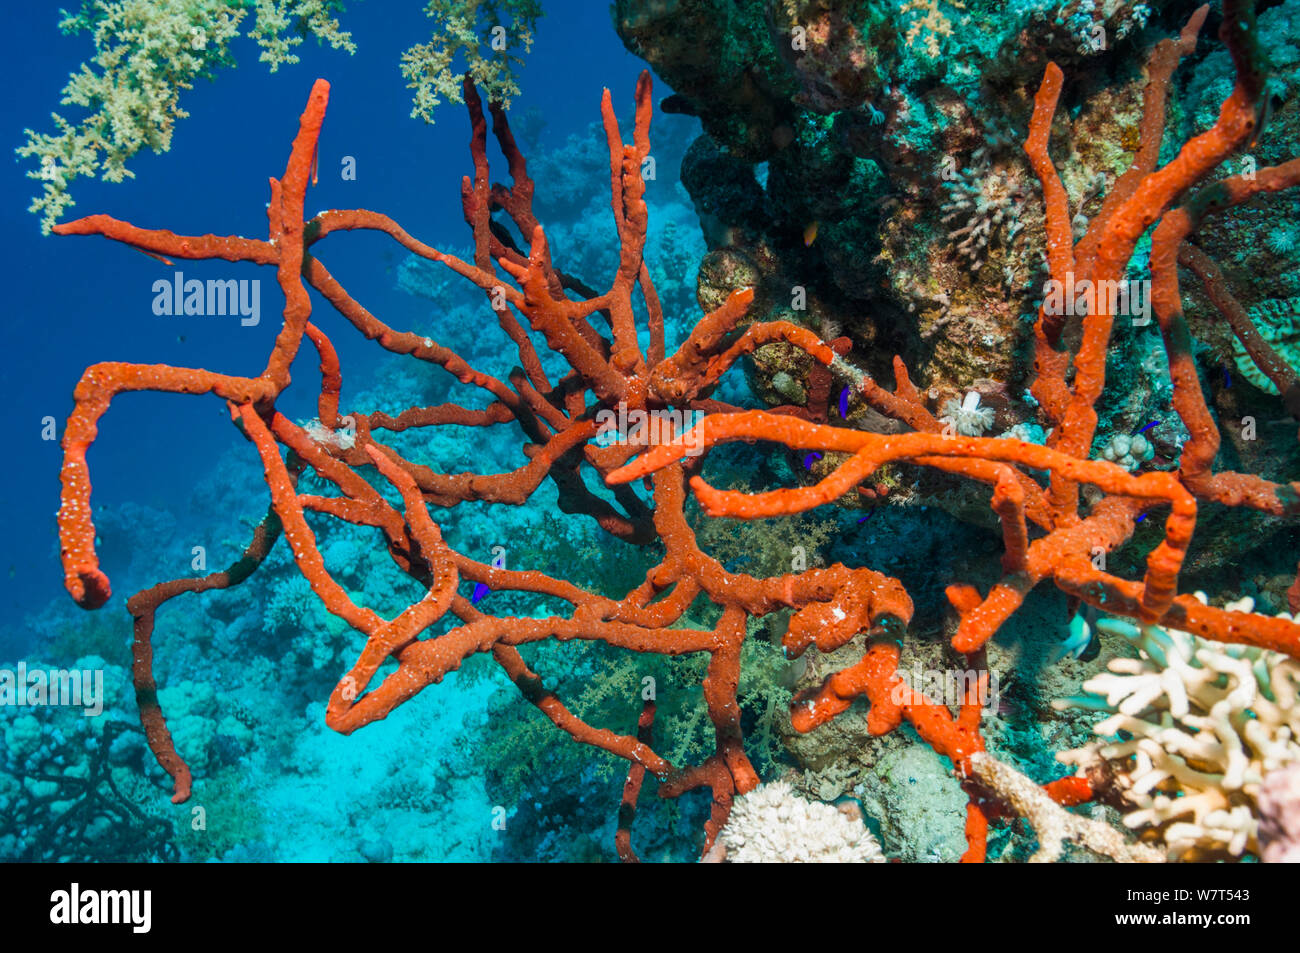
{"x":968,"y":418}
{"x":1204,"y":723}
{"x":772,"y":824}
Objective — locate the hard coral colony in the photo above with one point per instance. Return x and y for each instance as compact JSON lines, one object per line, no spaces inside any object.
{"x":1062,"y":506}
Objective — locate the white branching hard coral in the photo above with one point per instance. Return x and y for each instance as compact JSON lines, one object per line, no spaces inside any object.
{"x":1053,"y":825}
{"x":1202,"y":723}
{"x":772,"y":824}
{"x":968,"y":418}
